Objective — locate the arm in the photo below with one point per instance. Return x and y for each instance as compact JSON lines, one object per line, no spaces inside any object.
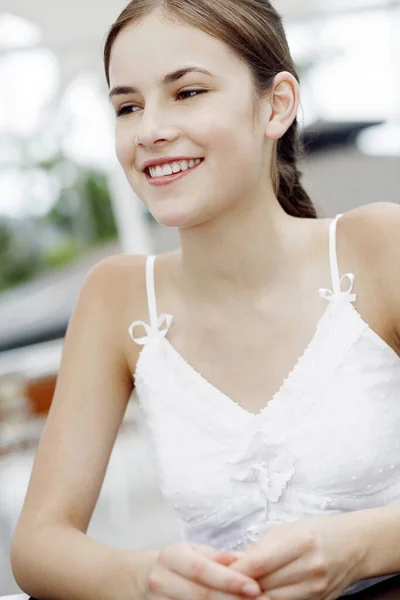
{"x":51,"y":555}
{"x":391,"y":266}
{"x":378,"y":228}
{"x":375,"y":233}
{"x":378,"y":532}
{"x":61,"y":562}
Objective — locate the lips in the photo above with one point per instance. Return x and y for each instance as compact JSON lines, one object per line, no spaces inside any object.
{"x":166,"y":179}
{"x":165,"y":160}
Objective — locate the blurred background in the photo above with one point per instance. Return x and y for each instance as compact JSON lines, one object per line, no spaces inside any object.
{"x":65,"y":204}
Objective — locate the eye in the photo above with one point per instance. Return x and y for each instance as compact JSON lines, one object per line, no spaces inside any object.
{"x":196,"y":92}
{"x":125,"y":110}
{"x":184,"y":95}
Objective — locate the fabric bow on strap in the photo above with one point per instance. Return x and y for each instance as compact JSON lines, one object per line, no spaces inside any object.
{"x":153,"y":333}
{"x":340,"y":295}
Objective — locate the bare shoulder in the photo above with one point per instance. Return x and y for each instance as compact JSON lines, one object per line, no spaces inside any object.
{"x":375,"y":224}
{"x":115,"y":271}
{"x":117,"y":284}
{"x":373,"y":231}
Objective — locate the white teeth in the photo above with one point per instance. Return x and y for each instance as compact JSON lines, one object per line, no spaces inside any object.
{"x":166,"y":170}
{"x":175,"y":167}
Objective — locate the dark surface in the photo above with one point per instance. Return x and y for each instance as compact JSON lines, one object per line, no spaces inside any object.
{"x":39,"y":310}
{"x":324,"y":136}
{"x":387,"y":590}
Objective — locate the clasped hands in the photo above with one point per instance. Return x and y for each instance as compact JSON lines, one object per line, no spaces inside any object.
{"x":311,"y":558}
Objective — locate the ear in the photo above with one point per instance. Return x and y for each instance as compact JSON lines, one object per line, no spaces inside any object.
{"x":282,"y":104}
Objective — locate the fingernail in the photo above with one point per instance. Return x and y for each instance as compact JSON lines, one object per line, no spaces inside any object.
{"x":251,"y":588}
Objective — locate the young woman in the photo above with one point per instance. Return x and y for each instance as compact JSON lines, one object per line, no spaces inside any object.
{"x":265,"y":350}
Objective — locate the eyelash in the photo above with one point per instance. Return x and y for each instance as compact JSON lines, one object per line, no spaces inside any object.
{"x":125,"y":110}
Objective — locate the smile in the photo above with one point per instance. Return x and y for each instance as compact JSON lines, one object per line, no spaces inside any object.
{"x":170,"y":172}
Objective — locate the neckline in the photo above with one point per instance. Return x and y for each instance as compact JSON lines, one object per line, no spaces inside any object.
{"x":296,"y":374}
{"x":295,"y":371}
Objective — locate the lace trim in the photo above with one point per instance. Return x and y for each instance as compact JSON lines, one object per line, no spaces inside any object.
{"x":298,"y":376}
{"x":231,"y":430}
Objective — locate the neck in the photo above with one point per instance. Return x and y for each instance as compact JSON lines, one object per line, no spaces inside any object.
{"x":243,"y":253}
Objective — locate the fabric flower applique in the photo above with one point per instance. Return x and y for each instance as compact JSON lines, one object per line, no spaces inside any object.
{"x":269,"y":464}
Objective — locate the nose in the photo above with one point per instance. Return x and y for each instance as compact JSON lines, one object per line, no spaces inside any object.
{"x":155,"y":128}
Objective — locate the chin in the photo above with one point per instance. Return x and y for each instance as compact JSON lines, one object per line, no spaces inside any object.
{"x":180,"y":218}
{"x":177,"y":221}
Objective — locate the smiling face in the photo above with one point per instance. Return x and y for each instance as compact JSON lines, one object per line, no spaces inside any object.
{"x":193,"y":115}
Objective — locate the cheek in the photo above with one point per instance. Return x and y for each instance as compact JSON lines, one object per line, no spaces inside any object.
{"x":124,"y":147}
{"x":227,"y":131}
{"x":234,"y":152}
{"x":215,"y":127}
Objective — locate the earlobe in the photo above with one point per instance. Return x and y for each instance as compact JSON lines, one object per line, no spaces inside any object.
{"x":278,"y":127}
{"x":283,"y":107}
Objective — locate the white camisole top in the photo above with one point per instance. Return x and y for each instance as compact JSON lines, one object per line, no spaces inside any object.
{"x":328,"y":441}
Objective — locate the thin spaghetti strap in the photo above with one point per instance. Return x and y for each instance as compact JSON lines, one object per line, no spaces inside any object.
{"x":151,"y":290}
{"x":333,"y":255}
{"x":154,"y":330}
{"x":336,"y":293}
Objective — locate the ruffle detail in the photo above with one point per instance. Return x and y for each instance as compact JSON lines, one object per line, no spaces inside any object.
{"x":268,"y":464}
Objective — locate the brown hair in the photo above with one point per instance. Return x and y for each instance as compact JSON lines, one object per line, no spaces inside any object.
{"x":254,"y":31}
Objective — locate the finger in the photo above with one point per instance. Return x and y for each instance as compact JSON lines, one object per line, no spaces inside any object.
{"x":227,"y":558}
{"x":260,"y":560}
{"x":204,"y":570}
{"x":294,"y":572}
{"x":211,"y":552}
{"x":164,"y":583}
{"x":222,"y":556}
{"x":299,"y":591}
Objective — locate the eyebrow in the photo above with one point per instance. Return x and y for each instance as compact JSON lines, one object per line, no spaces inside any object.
{"x":122,"y":90}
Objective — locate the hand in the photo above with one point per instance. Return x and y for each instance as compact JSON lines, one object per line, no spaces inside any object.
{"x":186,"y":570}
{"x":311,"y":558}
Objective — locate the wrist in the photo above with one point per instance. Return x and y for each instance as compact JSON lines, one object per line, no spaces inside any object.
{"x":144,"y":562}
{"x":127,"y":573}
{"x":357,"y":533}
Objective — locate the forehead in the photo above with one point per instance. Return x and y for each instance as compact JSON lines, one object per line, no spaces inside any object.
{"x":154,"y":46}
